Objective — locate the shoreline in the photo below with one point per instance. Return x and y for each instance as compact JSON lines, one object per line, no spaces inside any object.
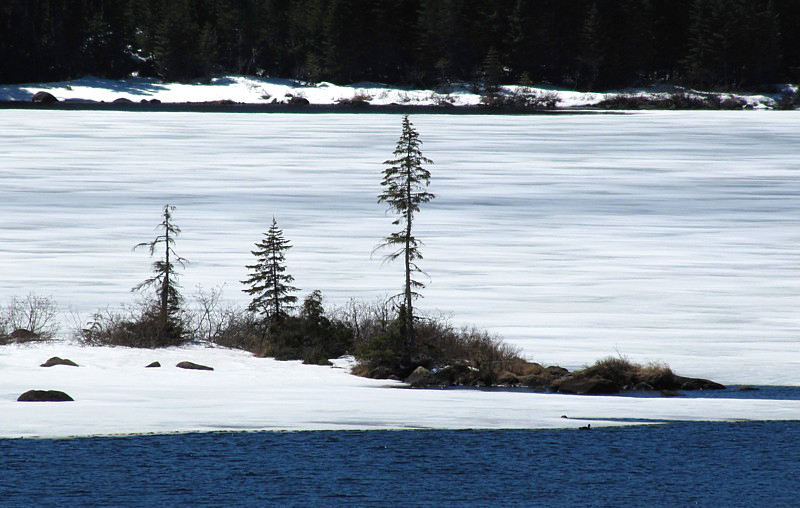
{"x":242,"y":107}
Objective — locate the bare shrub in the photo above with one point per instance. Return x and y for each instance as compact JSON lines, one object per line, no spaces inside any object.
{"x":361,"y":98}
{"x":618,"y":369}
{"x":28,"y":319}
{"x":366,"y":319}
{"x":522,"y":98}
{"x":212,"y":319}
{"x":139,"y":325}
{"x":628,"y":375}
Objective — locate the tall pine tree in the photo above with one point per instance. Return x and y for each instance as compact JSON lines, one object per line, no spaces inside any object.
{"x":405,"y":181}
{"x":164,"y":279}
{"x":269,"y":284}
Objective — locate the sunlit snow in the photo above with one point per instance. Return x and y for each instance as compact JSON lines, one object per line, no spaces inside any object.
{"x":253,"y":90}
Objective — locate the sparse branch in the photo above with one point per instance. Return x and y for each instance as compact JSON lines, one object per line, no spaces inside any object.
{"x":404,"y":183}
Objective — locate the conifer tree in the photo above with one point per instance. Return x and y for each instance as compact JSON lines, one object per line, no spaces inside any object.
{"x":405,"y":181}
{"x":268,"y":283}
{"x":164,"y":278}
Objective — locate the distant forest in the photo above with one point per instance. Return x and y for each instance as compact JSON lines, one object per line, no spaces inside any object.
{"x":582,"y":44}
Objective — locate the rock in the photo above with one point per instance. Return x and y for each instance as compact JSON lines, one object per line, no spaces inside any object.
{"x":670,"y":393}
{"x":153,"y":365}
{"x":381,"y":373}
{"x":44,"y":98}
{"x":508,"y":379}
{"x":420,"y":377}
{"x":643,"y":386}
{"x":455,"y":375}
{"x":58,"y":361}
{"x":556,"y":372}
{"x":747,"y":388}
{"x":688,"y":383}
{"x":122,"y":100}
{"x":529,"y":368}
{"x":298,"y":101}
{"x":192,"y":366}
{"x":587,"y":386}
{"x":665,"y":380}
{"x":44,"y":396}
{"x":538,"y":383}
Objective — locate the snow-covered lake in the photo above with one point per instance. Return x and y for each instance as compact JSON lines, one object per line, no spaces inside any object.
{"x":668,"y":236}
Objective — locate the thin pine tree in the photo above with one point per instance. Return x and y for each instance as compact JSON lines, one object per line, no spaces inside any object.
{"x":269,"y":284}
{"x":405,"y":181}
{"x":165,"y":279}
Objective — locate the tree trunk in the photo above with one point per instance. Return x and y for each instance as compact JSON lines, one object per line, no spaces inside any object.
{"x":411,"y":338}
{"x":165,"y":286}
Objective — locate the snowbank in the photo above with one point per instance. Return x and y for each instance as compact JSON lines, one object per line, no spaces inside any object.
{"x":115,"y":394}
{"x":253,"y":90}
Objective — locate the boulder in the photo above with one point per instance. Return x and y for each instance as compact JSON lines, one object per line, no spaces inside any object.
{"x":153,"y":365}
{"x":44,"y":396}
{"x":455,"y":375}
{"x":529,"y":368}
{"x":538,"y":383}
{"x":588,"y":386}
{"x":192,"y":366}
{"x":688,"y":383}
{"x":298,"y":101}
{"x":420,"y":377}
{"x":556,"y":372}
{"x":664,"y":380}
{"x":507,"y":379}
{"x":58,"y":361}
{"x":44,"y":98}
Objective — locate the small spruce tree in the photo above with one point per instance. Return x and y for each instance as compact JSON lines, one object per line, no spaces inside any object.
{"x":405,"y":181}
{"x":164,"y":279}
{"x":268,"y":283}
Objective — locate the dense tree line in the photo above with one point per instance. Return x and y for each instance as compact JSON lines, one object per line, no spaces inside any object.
{"x":578,"y":43}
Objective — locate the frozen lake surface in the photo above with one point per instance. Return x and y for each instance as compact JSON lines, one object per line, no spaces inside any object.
{"x":668,"y":236}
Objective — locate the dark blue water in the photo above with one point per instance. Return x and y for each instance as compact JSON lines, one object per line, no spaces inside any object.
{"x":681,"y":464}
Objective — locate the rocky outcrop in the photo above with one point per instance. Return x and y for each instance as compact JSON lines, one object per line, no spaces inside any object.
{"x":58,"y":361}
{"x":44,"y":396}
{"x":555,"y":372}
{"x":193,"y":366}
{"x":456,"y":375}
{"x":689,"y":383}
{"x":538,"y":383}
{"x":507,"y":379}
{"x":153,"y":365}
{"x":586,"y":386}
{"x":421,"y":377}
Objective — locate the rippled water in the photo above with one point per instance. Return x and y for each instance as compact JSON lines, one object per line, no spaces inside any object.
{"x":680,"y":464}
